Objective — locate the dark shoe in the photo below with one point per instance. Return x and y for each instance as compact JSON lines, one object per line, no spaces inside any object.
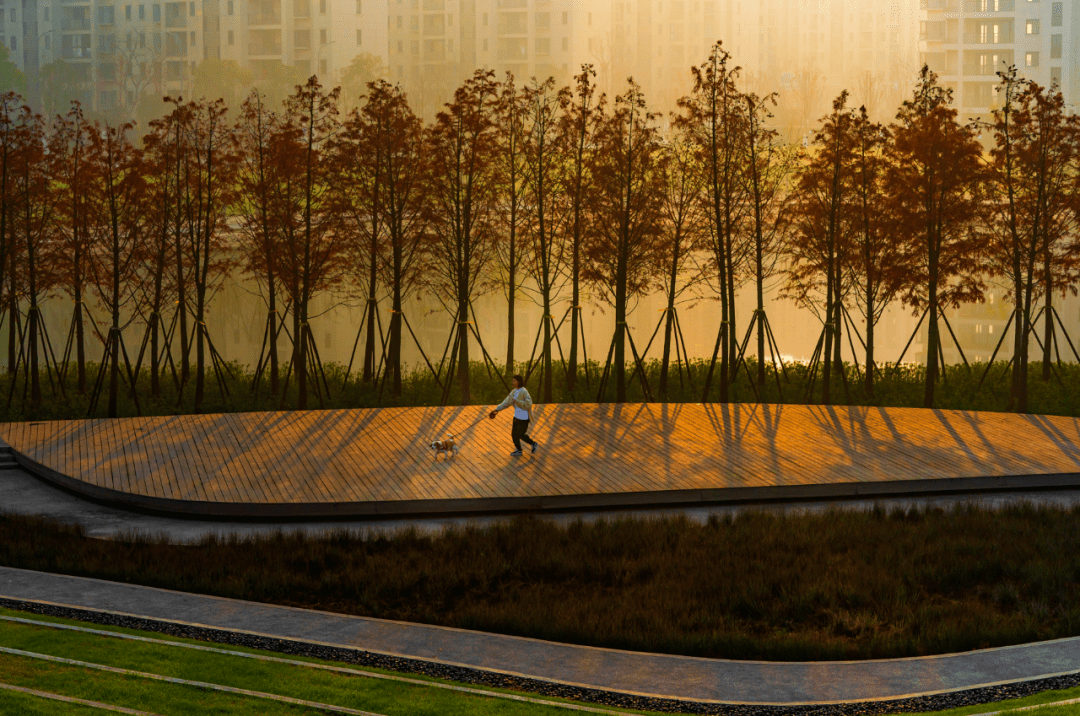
{"x":516,"y":453}
{"x":535,"y":445}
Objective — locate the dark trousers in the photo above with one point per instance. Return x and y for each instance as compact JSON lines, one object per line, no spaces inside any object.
{"x":521,"y":427}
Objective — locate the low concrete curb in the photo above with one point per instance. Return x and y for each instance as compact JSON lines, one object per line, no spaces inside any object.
{"x":637,"y":680}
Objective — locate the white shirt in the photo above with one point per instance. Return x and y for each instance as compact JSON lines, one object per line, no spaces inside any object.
{"x":520,"y":413}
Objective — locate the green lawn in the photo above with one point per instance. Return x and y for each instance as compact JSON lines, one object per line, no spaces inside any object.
{"x":405,"y":695}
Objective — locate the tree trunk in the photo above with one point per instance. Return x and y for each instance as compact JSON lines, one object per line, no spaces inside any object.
{"x":271,"y":290}
{"x":511,"y":303}
{"x":80,"y":337}
{"x":826,"y":355}
{"x":200,"y":356}
{"x":463,"y":343}
{"x":1048,"y":316}
{"x":932,"y":337}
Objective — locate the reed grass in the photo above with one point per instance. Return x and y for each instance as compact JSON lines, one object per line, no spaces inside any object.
{"x":761,"y":585}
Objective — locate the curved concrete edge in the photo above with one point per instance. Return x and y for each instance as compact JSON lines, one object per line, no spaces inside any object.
{"x":525,"y":664}
{"x":547,"y":503}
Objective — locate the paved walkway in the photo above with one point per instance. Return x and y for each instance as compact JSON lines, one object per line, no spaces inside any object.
{"x":339,"y":463}
{"x":641,"y":674}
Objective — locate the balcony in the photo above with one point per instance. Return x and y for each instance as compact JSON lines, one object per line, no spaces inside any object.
{"x":76,"y":53}
{"x":979,"y":38}
{"x":989,"y":6}
{"x":176,"y":22}
{"x":75,"y":25}
{"x":259,"y":18}
{"x":980,"y":70}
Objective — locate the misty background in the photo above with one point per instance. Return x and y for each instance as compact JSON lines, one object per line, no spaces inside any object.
{"x":119,"y":59}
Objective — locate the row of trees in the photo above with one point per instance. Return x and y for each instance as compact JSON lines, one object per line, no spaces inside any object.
{"x":547,"y":194}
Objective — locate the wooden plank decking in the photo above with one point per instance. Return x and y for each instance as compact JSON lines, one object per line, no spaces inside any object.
{"x":356,"y":462}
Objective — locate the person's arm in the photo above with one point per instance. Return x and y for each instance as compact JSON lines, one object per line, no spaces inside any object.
{"x":505,"y":403}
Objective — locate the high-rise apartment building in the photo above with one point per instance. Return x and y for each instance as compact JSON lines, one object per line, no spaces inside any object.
{"x":316,"y":36}
{"x":968,"y":41}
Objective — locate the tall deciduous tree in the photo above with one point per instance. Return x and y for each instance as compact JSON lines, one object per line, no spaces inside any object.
{"x":935,"y":171}
{"x":34,"y":217}
{"x":461,"y":149}
{"x":874,"y":266}
{"x":684,"y":236}
{"x":207,"y":193}
{"x":821,"y":244}
{"x":544,"y":160}
{"x":769,"y":165}
{"x":627,"y":170}
{"x":582,"y":117}
{"x":256,"y":178}
{"x":116,"y":226}
{"x":312,"y":252}
{"x":73,"y":137}
{"x":714,"y":116}
{"x":1029,"y":209}
{"x":510,"y":116}
{"x":396,"y":142}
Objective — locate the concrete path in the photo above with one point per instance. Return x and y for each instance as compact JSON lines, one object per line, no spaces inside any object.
{"x":25,"y":494}
{"x":650,"y":675}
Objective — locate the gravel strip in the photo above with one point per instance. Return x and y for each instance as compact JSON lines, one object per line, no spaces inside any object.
{"x":936,"y":702}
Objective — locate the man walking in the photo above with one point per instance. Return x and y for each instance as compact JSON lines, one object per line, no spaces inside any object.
{"x":522,"y":403}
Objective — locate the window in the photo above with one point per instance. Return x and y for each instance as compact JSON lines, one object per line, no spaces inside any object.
{"x":1055,"y":77}
{"x":230,"y":6}
{"x":230,"y":38}
{"x":127,"y":13}
{"x":1031,"y":59}
{"x":14,"y":44}
{"x":485,"y":45}
{"x":191,"y":9}
{"x":358,"y":38}
{"x":1055,"y":15}
{"x":543,"y":20}
{"x":142,"y":12}
{"x":1033,"y":27}
{"x":48,"y":45}
{"x":193,"y":38}
{"x":566,"y":18}
{"x":13,"y":15}
{"x":543,"y":46}
{"x":399,"y":22}
{"x":415,"y":47}
{"x":157,"y":41}
{"x":322,"y":7}
{"x":399,"y":46}
{"x":590,"y":19}
{"x":1055,"y":47}
{"x":157,"y":13}
{"x":46,"y":16}
{"x":322,"y":66}
{"x":322,"y":37}
{"x":359,"y":7}
{"x":565,"y":44}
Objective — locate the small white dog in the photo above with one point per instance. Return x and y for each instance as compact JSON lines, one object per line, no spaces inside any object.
{"x":445,"y":446}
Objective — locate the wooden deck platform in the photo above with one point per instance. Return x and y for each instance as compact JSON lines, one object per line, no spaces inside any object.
{"x":338,"y":463}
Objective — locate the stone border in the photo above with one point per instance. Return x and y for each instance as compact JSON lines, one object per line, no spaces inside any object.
{"x":465,"y":506}
{"x":471,"y":675}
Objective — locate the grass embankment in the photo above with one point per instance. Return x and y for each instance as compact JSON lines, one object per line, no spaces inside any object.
{"x":960,"y":389}
{"x":355,"y":691}
{"x":166,"y":656}
{"x":838,"y":585}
